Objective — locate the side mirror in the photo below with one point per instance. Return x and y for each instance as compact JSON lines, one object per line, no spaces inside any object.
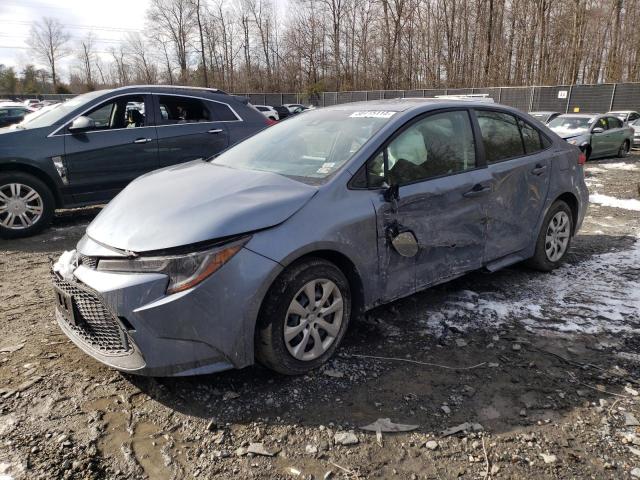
{"x":81,"y":124}
{"x":391,"y":193}
{"x":597,"y":130}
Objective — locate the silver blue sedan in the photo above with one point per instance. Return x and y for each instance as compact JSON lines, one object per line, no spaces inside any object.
{"x":267,"y":251}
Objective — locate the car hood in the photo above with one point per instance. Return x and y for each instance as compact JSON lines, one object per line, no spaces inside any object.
{"x":569,"y":133}
{"x":195,"y":202}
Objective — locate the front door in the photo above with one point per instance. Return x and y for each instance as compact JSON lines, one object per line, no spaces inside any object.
{"x":188,"y":129}
{"x":120,"y":146}
{"x":441,"y":201}
{"x":602,"y":143}
{"x":519,"y":168}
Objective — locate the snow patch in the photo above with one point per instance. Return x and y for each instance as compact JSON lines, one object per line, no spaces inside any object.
{"x":620,"y":166}
{"x":599,"y":295}
{"x":607,"y":201}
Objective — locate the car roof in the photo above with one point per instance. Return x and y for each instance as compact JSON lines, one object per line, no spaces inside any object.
{"x":546,"y":112}
{"x":168,"y":88}
{"x":406,"y":104}
{"x":12,"y":104}
{"x":578,"y":115}
{"x":621,"y":111}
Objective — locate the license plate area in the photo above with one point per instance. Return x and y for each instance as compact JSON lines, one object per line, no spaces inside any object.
{"x":66,"y":306}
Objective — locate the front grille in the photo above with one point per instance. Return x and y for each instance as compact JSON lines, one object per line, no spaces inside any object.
{"x":90,"y":262}
{"x":95,"y":324}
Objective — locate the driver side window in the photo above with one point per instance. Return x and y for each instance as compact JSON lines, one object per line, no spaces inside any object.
{"x":435,"y":146}
{"x":601,"y":123}
{"x":121,"y":112}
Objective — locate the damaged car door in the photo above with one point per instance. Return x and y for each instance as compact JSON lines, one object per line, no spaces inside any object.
{"x":436,"y":189}
{"x":520,"y":168}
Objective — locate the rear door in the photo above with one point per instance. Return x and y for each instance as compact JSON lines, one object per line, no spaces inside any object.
{"x":519,"y":166}
{"x":188,"y":129}
{"x":442,"y":194}
{"x":120,"y":147}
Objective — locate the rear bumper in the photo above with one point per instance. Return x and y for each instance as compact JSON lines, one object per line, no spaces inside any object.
{"x":206,"y":329}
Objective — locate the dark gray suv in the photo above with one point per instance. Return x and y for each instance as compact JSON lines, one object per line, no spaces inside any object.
{"x":89,"y":148}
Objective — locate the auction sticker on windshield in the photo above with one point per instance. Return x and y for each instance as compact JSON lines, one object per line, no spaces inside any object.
{"x":372,"y":114}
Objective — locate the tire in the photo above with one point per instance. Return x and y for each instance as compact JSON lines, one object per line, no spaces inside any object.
{"x":272,"y":350}
{"x":587,"y":154}
{"x":623,"y":151}
{"x":28,"y":208}
{"x":543,"y":260}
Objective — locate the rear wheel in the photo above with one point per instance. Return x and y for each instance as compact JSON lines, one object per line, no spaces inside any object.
{"x":304,"y":317}
{"x":26,"y":205}
{"x":554,"y":238}
{"x":623,"y":151}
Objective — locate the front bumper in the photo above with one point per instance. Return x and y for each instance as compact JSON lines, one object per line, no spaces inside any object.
{"x":126,"y":320}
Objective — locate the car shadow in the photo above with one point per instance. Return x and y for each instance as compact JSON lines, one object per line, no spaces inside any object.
{"x":501,"y":373}
{"x":67,"y":227}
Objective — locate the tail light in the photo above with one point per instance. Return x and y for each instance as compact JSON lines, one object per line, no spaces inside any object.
{"x":271,"y":122}
{"x":582,"y":158}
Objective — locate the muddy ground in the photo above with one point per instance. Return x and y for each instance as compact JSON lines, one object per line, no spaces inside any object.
{"x":543,"y":368}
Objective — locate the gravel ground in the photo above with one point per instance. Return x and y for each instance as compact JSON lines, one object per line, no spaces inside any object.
{"x":540,"y":373}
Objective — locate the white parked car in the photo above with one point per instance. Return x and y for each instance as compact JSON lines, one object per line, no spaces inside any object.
{"x":268,"y":111}
{"x":296,"y":107}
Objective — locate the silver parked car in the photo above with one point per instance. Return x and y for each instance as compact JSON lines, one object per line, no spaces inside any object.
{"x":636,"y":133}
{"x":597,"y":135}
{"x":268,"y":250}
{"x":627,"y":116}
{"x":544,"y":117}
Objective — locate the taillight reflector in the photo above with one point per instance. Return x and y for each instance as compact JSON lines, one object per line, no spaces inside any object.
{"x":582,"y":158}
{"x":270,"y":122}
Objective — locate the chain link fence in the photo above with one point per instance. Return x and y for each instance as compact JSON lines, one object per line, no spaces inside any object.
{"x":557,"y":98}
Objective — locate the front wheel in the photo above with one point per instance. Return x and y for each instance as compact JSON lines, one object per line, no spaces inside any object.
{"x":26,"y":205}
{"x":554,"y":238}
{"x":304,"y":317}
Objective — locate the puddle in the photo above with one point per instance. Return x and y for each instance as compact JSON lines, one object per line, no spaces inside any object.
{"x":137,"y":443}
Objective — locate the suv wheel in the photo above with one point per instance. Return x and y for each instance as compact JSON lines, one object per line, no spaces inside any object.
{"x":554,"y":238}
{"x":304,"y":317}
{"x":26,"y":205}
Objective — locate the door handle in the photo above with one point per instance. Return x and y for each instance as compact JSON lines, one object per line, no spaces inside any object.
{"x":539,"y":169}
{"x":142,"y":140}
{"x":477,"y":191}
{"x":215,"y":130}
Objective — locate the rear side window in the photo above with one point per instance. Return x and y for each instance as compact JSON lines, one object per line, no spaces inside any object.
{"x":614,"y":122}
{"x":500,"y":135}
{"x":176,"y":110}
{"x":530,"y":137}
{"x":223,"y":112}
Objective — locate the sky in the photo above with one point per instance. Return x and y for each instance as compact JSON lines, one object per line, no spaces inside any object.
{"x":109,"y":20}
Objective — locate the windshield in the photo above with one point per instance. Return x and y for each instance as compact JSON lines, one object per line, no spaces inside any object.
{"x":571,"y":123}
{"x":309,"y":147}
{"x":52,"y":116}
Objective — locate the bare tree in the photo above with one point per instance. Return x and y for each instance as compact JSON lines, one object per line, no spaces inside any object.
{"x":87,"y":57}
{"x":48,"y":40}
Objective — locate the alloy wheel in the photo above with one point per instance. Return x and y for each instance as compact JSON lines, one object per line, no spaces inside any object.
{"x":557,"y":238}
{"x":21,"y":206}
{"x":313,"y":319}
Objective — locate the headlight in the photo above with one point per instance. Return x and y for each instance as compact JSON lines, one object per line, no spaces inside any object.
{"x":184,"y":271}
